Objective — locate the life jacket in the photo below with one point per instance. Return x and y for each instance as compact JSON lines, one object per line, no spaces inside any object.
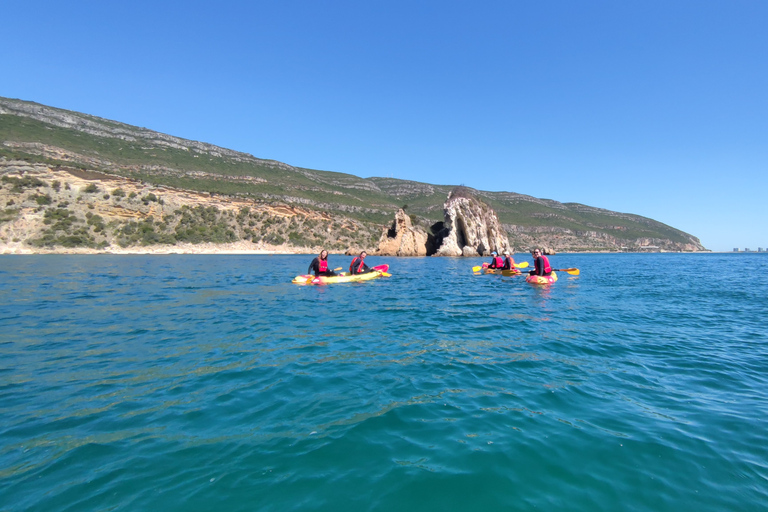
{"x":359,"y":267}
{"x":547,"y":268}
{"x":498,"y":261}
{"x":322,"y":265}
{"x":509,"y":263}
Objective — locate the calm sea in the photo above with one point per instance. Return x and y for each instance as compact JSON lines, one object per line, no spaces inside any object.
{"x":211,"y":383}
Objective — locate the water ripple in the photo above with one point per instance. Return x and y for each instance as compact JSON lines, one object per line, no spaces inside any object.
{"x":212,"y":382}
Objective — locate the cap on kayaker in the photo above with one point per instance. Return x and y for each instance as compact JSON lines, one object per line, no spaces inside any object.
{"x":506,"y":253}
{"x":493,"y":253}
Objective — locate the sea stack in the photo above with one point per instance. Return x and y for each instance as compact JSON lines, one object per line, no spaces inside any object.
{"x":402,"y":238}
{"x":470,"y":228}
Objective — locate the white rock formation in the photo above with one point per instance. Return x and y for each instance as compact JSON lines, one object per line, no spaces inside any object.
{"x":402,"y":239}
{"x":470,"y":228}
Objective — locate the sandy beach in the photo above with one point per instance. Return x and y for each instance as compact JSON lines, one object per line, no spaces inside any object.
{"x":242,"y":247}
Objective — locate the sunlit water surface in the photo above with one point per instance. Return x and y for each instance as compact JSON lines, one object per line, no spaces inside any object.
{"x":185,"y":383}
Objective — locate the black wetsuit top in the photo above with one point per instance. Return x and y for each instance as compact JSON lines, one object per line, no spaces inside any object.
{"x":356,"y":264}
{"x":314,"y":268}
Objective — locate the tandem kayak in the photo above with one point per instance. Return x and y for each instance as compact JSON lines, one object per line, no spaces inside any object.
{"x":515,"y":272}
{"x":341,"y":278}
{"x":551,"y":278}
{"x":509,"y":272}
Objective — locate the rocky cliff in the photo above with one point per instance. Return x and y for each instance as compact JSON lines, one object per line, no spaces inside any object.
{"x":470,"y":227}
{"x":58,"y":209}
{"x":402,"y":239}
{"x":41,"y":135}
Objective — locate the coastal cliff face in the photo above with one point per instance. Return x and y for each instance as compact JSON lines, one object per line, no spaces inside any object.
{"x":352,"y":210}
{"x":402,"y":238}
{"x":470,"y":228}
{"x":554,"y":238}
{"x":56,"y":209}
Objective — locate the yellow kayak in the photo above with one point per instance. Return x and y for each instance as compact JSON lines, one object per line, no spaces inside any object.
{"x":507,"y":272}
{"x":484,"y":268}
{"x":378,"y":271}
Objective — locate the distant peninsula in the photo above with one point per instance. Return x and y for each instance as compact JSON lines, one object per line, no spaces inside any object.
{"x":75,"y":183}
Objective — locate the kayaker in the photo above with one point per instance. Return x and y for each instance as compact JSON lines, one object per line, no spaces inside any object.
{"x":496,"y":261}
{"x":358,"y":265}
{"x":509,"y":262}
{"x":541,"y":264}
{"x":319,"y":265}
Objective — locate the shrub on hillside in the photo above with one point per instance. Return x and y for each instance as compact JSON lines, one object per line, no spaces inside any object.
{"x":21,"y":184}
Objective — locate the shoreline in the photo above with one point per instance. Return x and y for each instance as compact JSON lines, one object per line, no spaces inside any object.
{"x":244,"y":247}
{"x":204,"y":248}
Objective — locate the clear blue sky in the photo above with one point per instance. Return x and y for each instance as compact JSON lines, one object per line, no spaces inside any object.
{"x":658,"y":108}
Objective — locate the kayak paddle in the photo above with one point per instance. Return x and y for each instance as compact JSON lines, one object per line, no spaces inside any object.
{"x":572,"y":271}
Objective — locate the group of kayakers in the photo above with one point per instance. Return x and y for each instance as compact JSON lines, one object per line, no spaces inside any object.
{"x":505,"y":263}
{"x":319,"y":265}
{"x":541,"y":266}
{"x":540,"y":262}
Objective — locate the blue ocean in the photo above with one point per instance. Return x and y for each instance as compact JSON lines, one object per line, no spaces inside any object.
{"x":212,"y":383}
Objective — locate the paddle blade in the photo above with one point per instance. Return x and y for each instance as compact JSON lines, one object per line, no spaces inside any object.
{"x":572,"y":271}
{"x":476,"y":269}
{"x":524,"y":264}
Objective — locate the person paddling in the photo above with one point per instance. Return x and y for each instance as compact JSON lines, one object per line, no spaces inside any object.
{"x":319,"y":265}
{"x":541,"y":264}
{"x":509,"y":262}
{"x":358,"y":265}
{"x":496,"y":261}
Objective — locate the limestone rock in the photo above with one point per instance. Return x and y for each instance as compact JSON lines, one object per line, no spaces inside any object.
{"x":402,"y":238}
{"x":470,"y":228}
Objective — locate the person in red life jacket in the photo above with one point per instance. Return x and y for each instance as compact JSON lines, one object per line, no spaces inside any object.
{"x":509,"y":262}
{"x":496,"y":261}
{"x":358,"y":266}
{"x":319,"y":265}
{"x":541,"y":264}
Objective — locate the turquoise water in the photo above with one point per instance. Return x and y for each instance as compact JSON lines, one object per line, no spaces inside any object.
{"x":212,"y":383}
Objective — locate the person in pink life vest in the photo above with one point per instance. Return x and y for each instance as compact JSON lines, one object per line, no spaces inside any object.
{"x":358,"y":265}
{"x":319,"y":265}
{"x":509,"y":262}
{"x":496,"y":261}
{"x":541,"y":264}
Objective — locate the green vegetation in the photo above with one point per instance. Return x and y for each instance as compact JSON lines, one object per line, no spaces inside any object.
{"x":145,"y":232}
{"x":66,"y":230}
{"x":8,"y":214}
{"x":369,"y":202}
{"x":43,"y":200}
{"x":21,"y":184}
{"x":203,"y":224}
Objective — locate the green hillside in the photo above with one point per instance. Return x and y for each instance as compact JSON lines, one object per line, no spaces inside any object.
{"x":39,"y":133}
